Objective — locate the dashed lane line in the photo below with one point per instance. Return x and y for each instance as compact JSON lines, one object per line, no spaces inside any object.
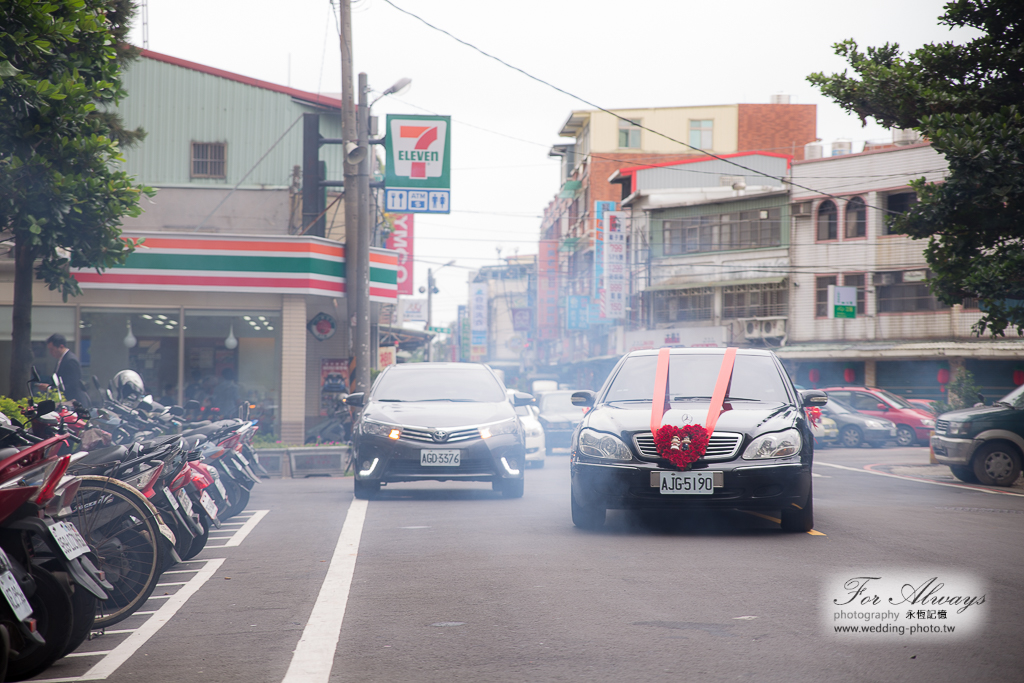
{"x":962,"y":487}
{"x":314,"y":654}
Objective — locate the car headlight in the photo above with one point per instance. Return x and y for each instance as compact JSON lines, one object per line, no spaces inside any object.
{"x":873,"y":424}
{"x":925,"y":422}
{"x":535,"y":431}
{"x":959,"y":428}
{"x":598,"y":445}
{"x":506,"y":427}
{"x":775,"y":445}
{"x":377,"y":428}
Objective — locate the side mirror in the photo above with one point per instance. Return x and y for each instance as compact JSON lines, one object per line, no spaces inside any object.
{"x":813,"y":397}
{"x":881,"y":406}
{"x":355,"y":400}
{"x":520,"y":398}
{"x":146,"y":404}
{"x":981,"y":398}
{"x":96,"y":382}
{"x":583,"y":399}
{"x":191,"y":404}
{"x":35,"y":376}
{"x":176,"y":411}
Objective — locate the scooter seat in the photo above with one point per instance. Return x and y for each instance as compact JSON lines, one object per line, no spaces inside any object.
{"x":101,"y":456}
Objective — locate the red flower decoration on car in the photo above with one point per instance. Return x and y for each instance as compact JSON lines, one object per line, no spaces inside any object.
{"x":814,"y":415}
{"x":681,"y":446}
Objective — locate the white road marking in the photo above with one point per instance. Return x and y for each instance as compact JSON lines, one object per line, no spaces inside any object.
{"x":89,"y":654}
{"x":314,"y":654}
{"x":923,"y":481}
{"x":172,"y":583}
{"x":240,"y":534}
{"x":113,"y":659}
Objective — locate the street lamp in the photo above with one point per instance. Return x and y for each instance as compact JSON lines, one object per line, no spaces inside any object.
{"x":431,"y":288}
{"x":361,"y":260}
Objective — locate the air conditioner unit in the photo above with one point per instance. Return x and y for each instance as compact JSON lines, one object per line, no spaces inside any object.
{"x":802,"y":210}
{"x":764,"y":328}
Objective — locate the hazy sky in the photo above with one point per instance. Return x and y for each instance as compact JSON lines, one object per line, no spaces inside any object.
{"x":643,"y":53}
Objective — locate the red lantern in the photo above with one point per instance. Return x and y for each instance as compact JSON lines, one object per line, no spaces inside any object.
{"x":1018,"y":377}
{"x":814,"y":375}
{"x":849,"y":376}
{"x":943,"y":376}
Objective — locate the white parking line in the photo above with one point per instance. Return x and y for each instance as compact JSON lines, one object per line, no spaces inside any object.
{"x":962,"y":487}
{"x":113,"y":659}
{"x":314,"y":654}
{"x":239,"y":536}
{"x":89,"y":654}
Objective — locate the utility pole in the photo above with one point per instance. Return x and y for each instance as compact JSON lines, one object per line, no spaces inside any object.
{"x":362,"y":254}
{"x":354,"y":238}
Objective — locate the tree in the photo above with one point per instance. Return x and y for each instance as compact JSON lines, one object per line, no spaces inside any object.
{"x":968,"y":100}
{"x":61,"y":198}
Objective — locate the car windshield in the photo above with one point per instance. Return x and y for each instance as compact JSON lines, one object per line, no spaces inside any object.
{"x":473,"y":384}
{"x":557,"y":402}
{"x":1015,"y":398}
{"x":897,"y":401}
{"x":693,"y":376}
{"x":523,"y":411}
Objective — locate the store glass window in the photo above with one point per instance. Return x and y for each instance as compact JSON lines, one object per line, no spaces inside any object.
{"x":231,"y":357}
{"x":46,"y":320}
{"x":143,"y":340}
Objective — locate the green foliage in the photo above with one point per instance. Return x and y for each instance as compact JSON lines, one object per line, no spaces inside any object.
{"x":962,"y":392}
{"x":967,"y":100}
{"x":15,"y":409}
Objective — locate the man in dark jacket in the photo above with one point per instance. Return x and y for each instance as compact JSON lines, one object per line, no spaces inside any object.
{"x":68,"y":369}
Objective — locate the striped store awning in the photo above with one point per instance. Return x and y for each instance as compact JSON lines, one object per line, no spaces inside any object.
{"x":188,"y":262}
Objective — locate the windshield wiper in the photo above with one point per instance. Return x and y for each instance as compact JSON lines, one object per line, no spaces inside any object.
{"x":391,"y":400}
{"x":1005,"y":403}
{"x":453,"y":400}
{"x":708,"y":398}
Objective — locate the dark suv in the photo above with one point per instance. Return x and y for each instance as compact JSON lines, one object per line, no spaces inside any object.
{"x":983,"y":444}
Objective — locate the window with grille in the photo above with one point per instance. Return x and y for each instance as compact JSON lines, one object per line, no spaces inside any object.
{"x":828,"y":222}
{"x":629,"y":134}
{"x":856,"y":218}
{"x":754,"y":301}
{"x":821,"y":284}
{"x":905,"y":292}
{"x":681,"y":305}
{"x":744,"y":230}
{"x":209,"y":159}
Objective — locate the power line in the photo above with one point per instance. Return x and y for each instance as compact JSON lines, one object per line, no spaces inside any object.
{"x":612,"y":113}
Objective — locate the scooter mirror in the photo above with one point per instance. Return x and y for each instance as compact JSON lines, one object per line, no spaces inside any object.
{"x":192,"y":404}
{"x":35,"y":375}
{"x":44,"y":407}
{"x":176,"y":411}
{"x":96,"y":382}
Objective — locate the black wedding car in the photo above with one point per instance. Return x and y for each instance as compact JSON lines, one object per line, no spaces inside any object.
{"x":759,"y":457}
{"x":442,"y":422}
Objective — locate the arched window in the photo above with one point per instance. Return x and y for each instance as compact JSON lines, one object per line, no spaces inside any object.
{"x":856,"y":218}
{"x":828,"y":218}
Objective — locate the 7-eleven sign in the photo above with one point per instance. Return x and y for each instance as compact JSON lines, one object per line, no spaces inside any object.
{"x":417,"y":177}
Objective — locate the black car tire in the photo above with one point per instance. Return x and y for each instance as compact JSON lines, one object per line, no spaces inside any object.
{"x":905,"y":436}
{"x":997,"y":464}
{"x":512,"y":488}
{"x":797,"y":521}
{"x":963,"y":473}
{"x":365,"y":490}
{"x":587,"y":517}
{"x":851,"y":436}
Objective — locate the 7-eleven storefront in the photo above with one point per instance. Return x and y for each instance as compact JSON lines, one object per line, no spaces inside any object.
{"x":190,"y":312}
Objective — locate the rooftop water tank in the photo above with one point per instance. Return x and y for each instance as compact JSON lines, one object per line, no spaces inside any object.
{"x":841,"y":147}
{"x":812,"y":150}
{"x":778,"y":99}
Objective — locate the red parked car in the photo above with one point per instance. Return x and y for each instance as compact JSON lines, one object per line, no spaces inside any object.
{"x":914,"y":424}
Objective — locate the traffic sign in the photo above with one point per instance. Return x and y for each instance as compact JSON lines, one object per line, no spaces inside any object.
{"x":440,"y":330}
{"x":418,"y":164}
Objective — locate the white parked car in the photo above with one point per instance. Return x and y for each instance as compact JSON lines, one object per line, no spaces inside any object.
{"x":535,"y":450}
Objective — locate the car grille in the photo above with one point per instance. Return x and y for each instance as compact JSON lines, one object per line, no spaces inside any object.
{"x":427,"y":435}
{"x":468,"y":466}
{"x":721,"y":445}
{"x":941,"y":426}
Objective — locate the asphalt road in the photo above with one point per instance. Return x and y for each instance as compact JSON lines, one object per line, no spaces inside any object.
{"x":454,"y":583}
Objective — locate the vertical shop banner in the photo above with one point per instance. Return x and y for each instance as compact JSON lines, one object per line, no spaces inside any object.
{"x":401,"y":240}
{"x":614,"y":299}
{"x":333,"y":381}
{"x":599,"y":293}
{"x":547,"y":290}
{"x":477,"y":321}
{"x":577,"y":312}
